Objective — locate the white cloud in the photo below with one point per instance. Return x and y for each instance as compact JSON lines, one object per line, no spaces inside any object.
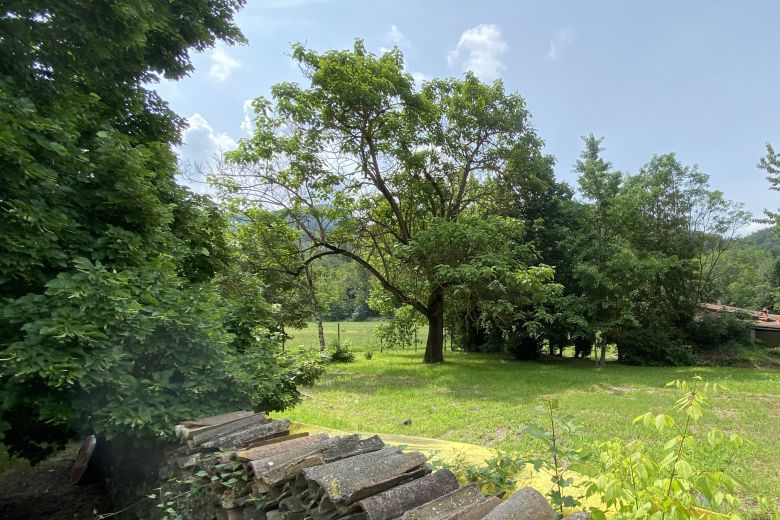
{"x":248,"y":122}
{"x":479,"y":50}
{"x":200,"y":146}
{"x":563,"y":38}
{"x":201,"y":142}
{"x":396,"y":38}
{"x":419,"y":77}
{"x":222,"y":64}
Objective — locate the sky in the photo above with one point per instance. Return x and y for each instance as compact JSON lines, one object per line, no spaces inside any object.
{"x":698,"y":78}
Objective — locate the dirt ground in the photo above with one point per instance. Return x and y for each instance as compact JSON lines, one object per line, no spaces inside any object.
{"x":45,"y":492}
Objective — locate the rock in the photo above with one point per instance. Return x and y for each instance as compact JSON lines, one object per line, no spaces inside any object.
{"x":355,"y":478}
{"x":466,"y":503}
{"x":526,"y":504}
{"x":393,"y":502}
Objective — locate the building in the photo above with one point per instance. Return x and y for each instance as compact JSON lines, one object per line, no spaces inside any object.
{"x":765,"y":326}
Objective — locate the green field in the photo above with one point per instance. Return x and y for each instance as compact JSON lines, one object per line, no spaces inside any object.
{"x":359,"y":333}
{"x":487,"y":400}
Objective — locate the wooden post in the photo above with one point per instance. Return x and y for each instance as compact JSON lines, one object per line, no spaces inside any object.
{"x":338,"y":332}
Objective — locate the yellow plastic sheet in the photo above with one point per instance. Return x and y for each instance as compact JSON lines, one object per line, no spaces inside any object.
{"x":448,"y":451}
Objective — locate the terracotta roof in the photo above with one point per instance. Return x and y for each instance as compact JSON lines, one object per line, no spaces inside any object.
{"x":760,"y":319}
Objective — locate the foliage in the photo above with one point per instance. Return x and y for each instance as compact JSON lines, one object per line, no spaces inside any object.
{"x":263,"y":279}
{"x":770,"y":163}
{"x":112,"y":319}
{"x":717,"y":331}
{"x":744,"y":276}
{"x":343,"y":289}
{"x":340,"y":352}
{"x":130,"y":345}
{"x":179,"y":498}
{"x":648,"y":254}
{"x":497,"y":476}
{"x":654,"y":346}
{"x":631,"y":482}
{"x":395,"y":178}
{"x":562,"y":457}
{"x":399,"y":327}
{"x":524,"y":346}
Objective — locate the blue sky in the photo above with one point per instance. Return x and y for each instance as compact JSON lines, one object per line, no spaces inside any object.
{"x":699,"y":78}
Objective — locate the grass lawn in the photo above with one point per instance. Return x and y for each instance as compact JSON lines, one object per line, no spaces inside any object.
{"x":359,"y":333}
{"x":487,"y":400}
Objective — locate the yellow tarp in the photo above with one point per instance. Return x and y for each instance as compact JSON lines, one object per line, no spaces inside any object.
{"x":448,"y":451}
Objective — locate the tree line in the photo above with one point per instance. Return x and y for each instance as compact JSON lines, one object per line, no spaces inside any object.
{"x":442,"y":193}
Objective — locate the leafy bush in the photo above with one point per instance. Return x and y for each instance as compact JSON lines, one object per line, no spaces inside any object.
{"x":340,"y":351}
{"x":130,"y":353}
{"x":109,"y":319}
{"x":400,"y":328}
{"x":369,"y":355}
{"x":631,"y":481}
{"x":583,"y":346}
{"x":654,"y":346}
{"x":495,"y":477}
{"x":524,"y":346}
{"x":717,"y":331}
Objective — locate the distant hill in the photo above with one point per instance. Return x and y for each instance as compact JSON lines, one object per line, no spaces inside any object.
{"x":768,"y":239}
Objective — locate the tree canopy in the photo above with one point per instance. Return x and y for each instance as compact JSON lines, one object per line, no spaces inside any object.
{"x":112,"y":317}
{"x":398,"y":179}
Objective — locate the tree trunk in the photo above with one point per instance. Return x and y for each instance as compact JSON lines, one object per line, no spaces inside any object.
{"x":601,"y":352}
{"x":604,"y":353}
{"x":316,"y":307}
{"x":434,"y":348}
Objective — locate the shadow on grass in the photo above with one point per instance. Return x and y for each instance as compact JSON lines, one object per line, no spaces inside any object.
{"x":490,"y":375}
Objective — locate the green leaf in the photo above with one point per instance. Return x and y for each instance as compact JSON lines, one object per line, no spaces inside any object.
{"x":537,"y":432}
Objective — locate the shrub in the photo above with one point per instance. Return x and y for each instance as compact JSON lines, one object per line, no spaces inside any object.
{"x":717,"y":331}
{"x":369,"y":355}
{"x":340,"y":352}
{"x":495,"y":477}
{"x":126,"y":352}
{"x":632,"y":481}
{"x":654,"y":346}
{"x":583,"y":346}
{"x":524,"y":346}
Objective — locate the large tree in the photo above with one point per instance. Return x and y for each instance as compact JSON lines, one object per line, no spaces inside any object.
{"x":111,"y":320}
{"x":604,"y":263}
{"x":397,"y":179}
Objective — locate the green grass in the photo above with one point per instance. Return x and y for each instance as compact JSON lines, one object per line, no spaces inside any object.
{"x":487,"y":400}
{"x":359,"y":333}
